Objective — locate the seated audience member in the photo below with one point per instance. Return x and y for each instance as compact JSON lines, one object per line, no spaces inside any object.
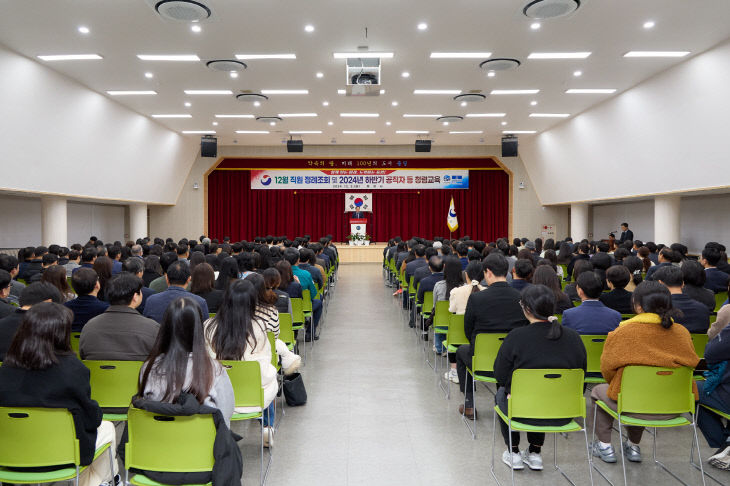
{"x":635,"y":267}
{"x":86,"y":284}
{"x":40,"y":370}
{"x":495,"y":309}
{"x":424,"y":271}
{"x":74,"y":257}
{"x":10,"y":264}
{"x":56,"y":276}
{"x":723,"y":265}
{"x":177,"y":278}
{"x":152,"y":269}
{"x":591,"y":317}
{"x":545,"y":275}
{"x":436,"y":268}
{"x":305,"y":279}
{"x":620,"y":254}
{"x":601,"y":263}
{"x":715,"y":393}
{"x":179,"y":361}
{"x":649,"y":339}
{"x":717,"y":280}
{"x":203,"y":285}
{"x":115,"y":255}
{"x":272,"y":279}
{"x":665,"y":258}
{"x":552,"y":257}
{"x":307,"y":262}
{"x":49,"y":260}
{"x":695,"y":316}
{"x":721,"y":322}
{"x":565,"y":254}
{"x":229,"y":271}
{"x":618,"y":299}
{"x":583,"y":254}
{"x":120,"y":333}
{"x":289,"y":283}
{"x":580,"y":267}
{"x":522,"y":273}
{"x":234,"y":334}
{"x":5,"y":307}
{"x":462,"y":251}
{"x":653,"y":252}
{"x":33,"y":264}
{"x":160,"y":283}
{"x":135,"y":266}
{"x":88,"y":257}
{"x":694,"y":284}
{"x":540,"y":345}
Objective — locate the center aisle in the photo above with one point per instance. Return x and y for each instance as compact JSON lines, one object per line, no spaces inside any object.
{"x":375,"y":414}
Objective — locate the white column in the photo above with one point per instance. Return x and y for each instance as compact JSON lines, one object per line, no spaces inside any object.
{"x":666,"y":219}
{"x":54,"y":221}
{"x":579,"y":221}
{"x":137,"y":221}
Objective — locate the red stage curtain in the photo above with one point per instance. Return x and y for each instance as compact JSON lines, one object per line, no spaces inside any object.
{"x":235,"y":210}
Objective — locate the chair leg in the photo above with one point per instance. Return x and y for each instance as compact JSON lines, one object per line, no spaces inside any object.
{"x":494,"y":447}
{"x":473,"y":430}
{"x":621,"y":446}
{"x":665,"y":468}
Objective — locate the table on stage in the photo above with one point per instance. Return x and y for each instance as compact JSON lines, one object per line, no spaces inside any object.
{"x":373,"y":253}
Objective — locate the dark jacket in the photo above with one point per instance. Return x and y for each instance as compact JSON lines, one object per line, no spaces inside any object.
{"x":62,"y":385}
{"x":148,"y":276}
{"x":228,"y":465}
{"x":519,"y":284}
{"x":652,"y":270}
{"x":157,"y":304}
{"x":716,"y":280}
{"x":6,"y":308}
{"x":701,"y":294}
{"x":717,"y":351}
{"x":119,"y":334}
{"x":618,"y":300}
{"x":213,"y":299}
{"x":427,"y":285}
{"x":414,"y":265}
{"x":314,"y":272}
{"x":696,"y":317}
{"x":494,"y":309}
{"x":591,"y":317}
{"x":294,"y":290}
{"x":8,"y":327}
{"x":627,"y":235}
{"x":579,"y":256}
{"x":84,"y":308}
{"x":146,"y":293}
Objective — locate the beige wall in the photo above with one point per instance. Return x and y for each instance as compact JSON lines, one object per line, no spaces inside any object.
{"x":186,"y":218}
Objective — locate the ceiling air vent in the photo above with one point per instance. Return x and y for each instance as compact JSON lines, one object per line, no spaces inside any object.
{"x":183,"y":10}
{"x":550,"y":9}
{"x":449,"y":119}
{"x":251,"y":97}
{"x":500,"y":64}
{"x":226,"y":65}
{"x":268,"y":119}
{"x":470,"y":97}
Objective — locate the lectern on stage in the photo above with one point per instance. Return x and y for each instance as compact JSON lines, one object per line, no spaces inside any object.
{"x":358,"y":226}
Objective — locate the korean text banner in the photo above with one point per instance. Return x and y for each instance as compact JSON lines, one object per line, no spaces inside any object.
{"x":360,"y":179}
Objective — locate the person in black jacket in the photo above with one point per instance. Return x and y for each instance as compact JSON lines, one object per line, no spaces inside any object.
{"x":618,"y":299}
{"x":626,"y":233}
{"x":40,"y":370}
{"x":542,"y":344}
{"x":494,"y":309}
{"x":695,"y":315}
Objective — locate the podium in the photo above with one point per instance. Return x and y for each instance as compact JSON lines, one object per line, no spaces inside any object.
{"x":358,"y":226}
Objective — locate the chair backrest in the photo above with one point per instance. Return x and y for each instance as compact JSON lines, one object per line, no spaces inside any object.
{"x":411,"y":289}
{"x":441,"y":315}
{"x":486,"y":347}
{"x":427,"y":306}
{"x":211,"y":315}
{"x":654,"y":390}
{"x":75,"y":339}
{"x":245,"y":377}
{"x":547,"y":394}
{"x":297,"y":310}
{"x":169,"y":444}
{"x":456,"y":335}
{"x":286,"y":333}
{"x":594,"y":350}
{"x":272,"y":343}
{"x":37,"y":437}
{"x":720,"y":298}
{"x":627,"y":316}
{"x":306,"y":300}
{"x":699,"y":341}
{"x":113,"y":383}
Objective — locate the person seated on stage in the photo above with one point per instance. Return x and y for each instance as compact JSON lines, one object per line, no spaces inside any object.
{"x":649,"y":339}
{"x":495,"y":309}
{"x":85,"y":282}
{"x":580,"y":267}
{"x":424,"y":271}
{"x":715,"y":393}
{"x":717,"y":280}
{"x":177,"y":279}
{"x":591,"y":317}
{"x":522,"y":274}
{"x":583,"y":254}
{"x":695,"y":316}
{"x":545,"y":275}
{"x":160,"y":283}
{"x":541,"y":345}
{"x":305,"y":279}
{"x":618,"y":299}
{"x":202,"y":284}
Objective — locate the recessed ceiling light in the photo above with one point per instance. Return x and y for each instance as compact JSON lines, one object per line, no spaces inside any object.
{"x":491,"y":74}
{"x":163,"y":57}
{"x":70,"y":57}
{"x":504,"y":123}
{"x":558,"y":55}
{"x":387,"y":124}
{"x":359,"y":115}
{"x":304,"y":132}
{"x":257,"y":103}
{"x":188,"y":104}
{"x":485,"y":115}
{"x":196,"y":28}
{"x":273,"y":124}
{"x":463,"y":103}
{"x":208,"y":92}
{"x":466,"y":132}
{"x":405,"y":74}
{"x":535,"y":25}
{"x":297,"y":115}
{"x":549,"y":115}
{"x":233,"y":74}
{"x":533,"y":103}
{"x":309,"y":28}
{"x":418,"y":115}
{"x":83,"y":29}
{"x":577,"y":73}
{"x":382,"y":91}
{"x":243,"y":57}
{"x":590,"y":91}
{"x":131,"y":92}
{"x":422,"y":26}
{"x":284,"y":91}
{"x":253,"y":132}
{"x":181,"y":115}
{"x":460,"y":55}
{"x":518,"y":131}
{"x":330,"y":123}
{"x":325,"y":103}
{"x":656,"y":53}
{"x":215,"y":124}
{"x":437,"y":91}
{"x":363,"y":55}
{"x":412,"y":132}
{"x":649,"y":24}
{"x":358,"y":132}
{"x":394,"y":103}
{"x":341,"y":91}
{"x":320,"y":75}
{"x":149,"y":75}
{"x":234,"y":116}
{"x":514,"y":91}
{"x":446,"y":124}
{"x":200,"y":132}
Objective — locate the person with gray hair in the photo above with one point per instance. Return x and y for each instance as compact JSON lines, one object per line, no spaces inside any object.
{"x":136,"y":251}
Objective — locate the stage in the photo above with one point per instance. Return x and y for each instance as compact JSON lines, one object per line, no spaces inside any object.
{"x":373,"y":253}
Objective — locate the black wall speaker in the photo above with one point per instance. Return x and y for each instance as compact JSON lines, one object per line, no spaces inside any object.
{"x":208,"y":146}
{"x":423,"y":145}
{"x":509,"y":146}
{"x":294,"y":146}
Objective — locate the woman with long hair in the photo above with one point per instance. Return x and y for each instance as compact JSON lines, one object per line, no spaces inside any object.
{"x":203,"y":284}
{"x":41,"y":370}
{"x":643,"y":254}
{"x":56,"y":276}
{"x":227,"y":274}
{"x":103,"y":267}
{"x":179,"y":362}
{"x":545,"y":275}
{"x":453,"y":277}
{"x":152,"y":269}
{"x":235,"y":334}
{"x":565,"y":254}
{"x":272,"y":280}
{"x":289,"y":283}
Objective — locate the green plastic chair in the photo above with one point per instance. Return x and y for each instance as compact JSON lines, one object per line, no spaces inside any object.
{"x":113,"y":384}
{"x":441,"y":317}
{"x":272,"y":343}
{"x":486,"y":347}
{"x":544,"y":394}
{"x":594,"y":350}
{"x":167,"y":444}
{"x":211,"y":315}
{"x":245,"y":377}
{"x":298,"y":319}
{"x":41,"y":438}
{"x":307,"y":302}
{"x":699,"y":341}
{"x":286,"y":330}
{"x":720,"y":298}
{"x":75,"y":338}
{"x":653,"y":390}
{"x":625,"y":317}
{"x":455,"y":337}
